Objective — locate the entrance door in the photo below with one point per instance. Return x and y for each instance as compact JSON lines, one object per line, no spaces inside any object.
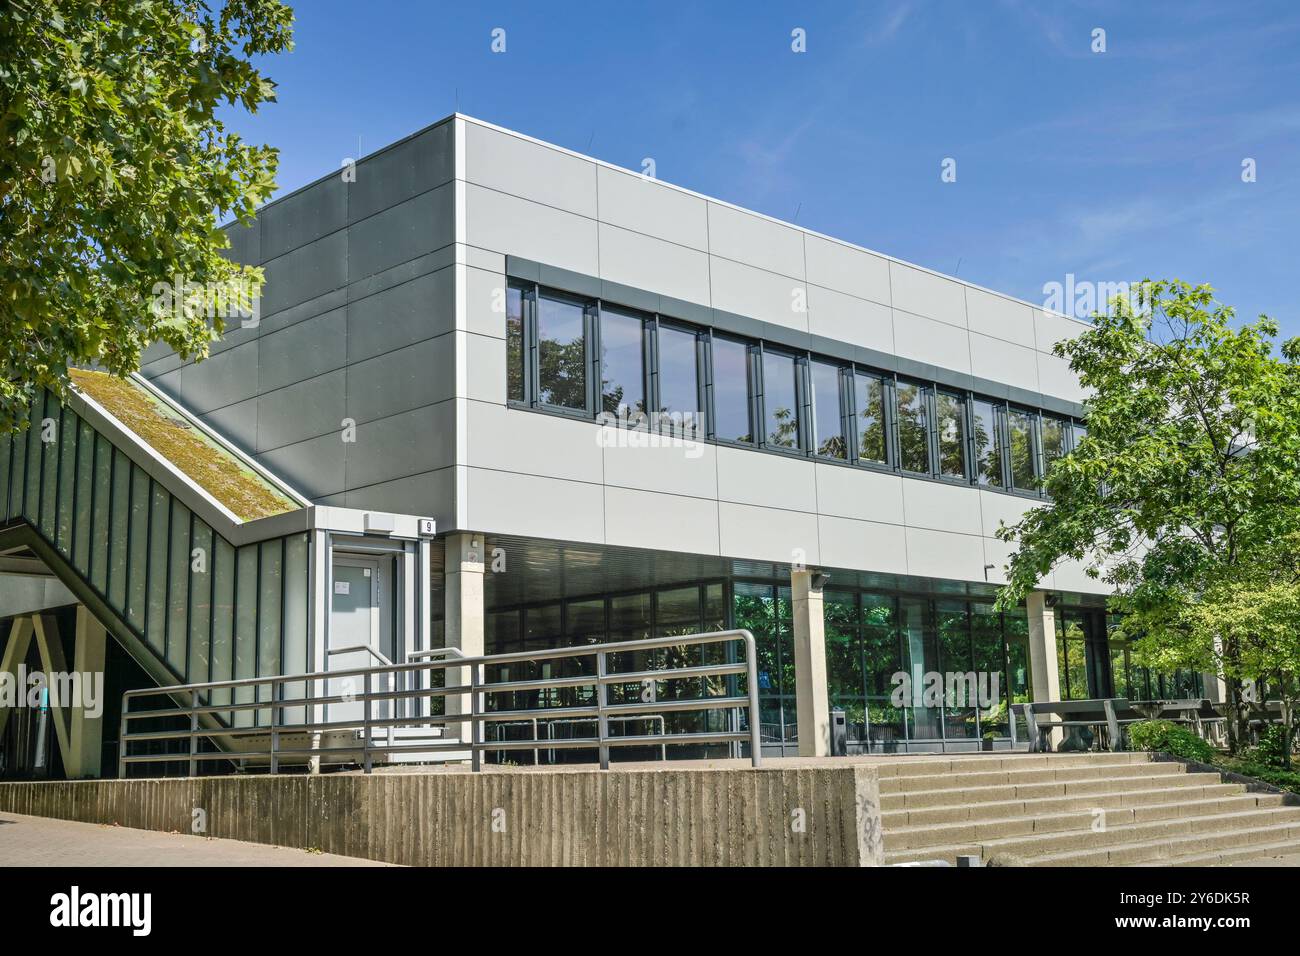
{"x":358,"y":598}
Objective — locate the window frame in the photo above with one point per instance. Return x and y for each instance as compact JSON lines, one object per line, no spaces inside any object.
{"x":799,"y":362}
{"x":654,"y":373}
{"x":599,"y":359}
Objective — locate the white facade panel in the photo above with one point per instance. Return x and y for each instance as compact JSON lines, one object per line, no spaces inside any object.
{"x":743,"y":237}
{"x":1000,"y":360}
{"x":856,"y":272}
{"x":846,"y":543}
{"x":510,"y":225}
{"x":941,"y":507}
{"x":508,"y":439}
{"x":942,"y":554}
{"x":1055,"y":378}
{"x":652,"y":209}
{"x":644,"y":262}
{"x":765,"y":478}
{"x":758,"y":294}
{"x":850,"y":319}
{"x":1000,"y":317}
{"x":523,"y":168}
{"x":504,"y":503}
{"x":767,"y":534}
{"x":923,"y":293}
{"x":859,"y":493}
{"x":931,"y":342}
{"x":645,"y":519}
{"x":689,"y":469}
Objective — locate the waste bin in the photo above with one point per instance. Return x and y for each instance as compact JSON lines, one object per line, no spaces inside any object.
{"x":839,"y":734}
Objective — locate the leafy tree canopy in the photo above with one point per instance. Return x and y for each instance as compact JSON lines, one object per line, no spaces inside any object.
{"x":1188,"y":478}
{"x":114,"y":172}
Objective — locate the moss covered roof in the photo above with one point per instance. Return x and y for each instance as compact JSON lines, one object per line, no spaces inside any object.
{"x":206,"y":463}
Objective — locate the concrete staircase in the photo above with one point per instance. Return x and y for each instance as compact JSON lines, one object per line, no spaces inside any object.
{"x":1041,"y":810}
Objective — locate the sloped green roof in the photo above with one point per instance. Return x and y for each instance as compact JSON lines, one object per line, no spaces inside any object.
{"x":213,"y":468}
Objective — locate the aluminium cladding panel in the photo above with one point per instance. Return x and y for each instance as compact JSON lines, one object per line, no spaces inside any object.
{"x":343,"y":384}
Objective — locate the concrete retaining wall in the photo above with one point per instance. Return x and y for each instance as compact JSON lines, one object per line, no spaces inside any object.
{"x":822,"y":816}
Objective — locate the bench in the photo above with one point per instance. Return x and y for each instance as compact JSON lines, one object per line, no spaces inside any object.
{"x":1110,"y":713}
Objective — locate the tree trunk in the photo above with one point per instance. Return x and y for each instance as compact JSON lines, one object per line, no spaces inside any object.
{"x":1234,"y":715}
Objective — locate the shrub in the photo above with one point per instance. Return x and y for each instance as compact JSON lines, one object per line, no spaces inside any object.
{"x":1271,"y":748}
{"x":1171,"y":738}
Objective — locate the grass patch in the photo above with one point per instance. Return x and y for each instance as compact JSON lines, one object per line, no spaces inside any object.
{"x":205,"y":462}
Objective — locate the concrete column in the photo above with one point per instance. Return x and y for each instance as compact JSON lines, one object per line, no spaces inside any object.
{"x":810,"y":665}
{"x":87,"y":736}
{"x":464,"y":615}
{"x":1045,"y":679}
{"x":15,"y":653}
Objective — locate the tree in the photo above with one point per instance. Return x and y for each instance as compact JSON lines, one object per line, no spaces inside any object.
{"x":1256,"y":611}
{"x":1190,"y":466}
{"x":114,"y":172}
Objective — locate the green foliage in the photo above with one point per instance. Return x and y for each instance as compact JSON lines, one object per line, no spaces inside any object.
{"x":1184,"y":495}
{"x":1170,"y":738}
{"x":1273,"y":749}
{"x":114,"y":172}
{"x":1269,"y":773}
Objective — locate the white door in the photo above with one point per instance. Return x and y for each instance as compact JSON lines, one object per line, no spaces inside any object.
{"x":356,"y":598}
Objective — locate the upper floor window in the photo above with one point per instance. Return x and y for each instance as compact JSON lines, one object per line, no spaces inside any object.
{"x":561,"y":352}
{"x":678,"y":378}
{"x":913,"y":427}
{"x":731,"y":390}
{"x":1020,"y":440}
{"x":869,"y":417}
{"x":515,"y":343}
{"x":828,"y":422}
{"x":986,"y":443}
{"x":950,"y":426}
{"x":1053,"y":434}
{"x":622,"y":362}
{"x":780,"y":400}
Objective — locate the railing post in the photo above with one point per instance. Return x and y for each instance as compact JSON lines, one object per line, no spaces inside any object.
{"x":365,"y":727}
{"x":121,"y":739}
{"x":194,"y":732}
{"x":475,"y":760}
{"x":602,"y":722}
{"x":751,"y":679}
{"x":276,"y":691}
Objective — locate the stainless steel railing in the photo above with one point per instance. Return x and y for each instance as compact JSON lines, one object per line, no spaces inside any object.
{"x":296,"y":706}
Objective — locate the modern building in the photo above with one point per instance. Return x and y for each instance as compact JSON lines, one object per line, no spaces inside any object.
{"x":501,"y":396}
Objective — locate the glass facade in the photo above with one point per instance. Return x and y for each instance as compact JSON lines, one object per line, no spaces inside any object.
{"x":158,"y":567}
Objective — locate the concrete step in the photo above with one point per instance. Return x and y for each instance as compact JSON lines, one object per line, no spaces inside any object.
{"x":917,"y":799}
{"x":914,"y":837}
{"x":966,"y":779}
{"x":1060,"y":845}
{"x":1236,"y":854}
{"x":1215,"y":847}
{"x":1001,"y":809}
{"x":956,"y":763}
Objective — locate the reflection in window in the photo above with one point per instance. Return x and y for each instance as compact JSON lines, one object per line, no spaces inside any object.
{"x":731,"y":391}
{"x":870,"y":403}
{"x":561,"y":353}
{"x":622,"y":362}
{"x":679,"y":389}
{"x":988,"y":444}
{"x":1020,"y":430}
{"x":1053,"y":435}
{"x":829,"y":440}
{"x":780,"y":403}
{"x":515,"y":344}
{"x":950,"y":411}
{"x":913,"y":428}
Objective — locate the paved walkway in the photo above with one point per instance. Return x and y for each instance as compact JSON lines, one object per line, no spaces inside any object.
{"x":38,"y":841}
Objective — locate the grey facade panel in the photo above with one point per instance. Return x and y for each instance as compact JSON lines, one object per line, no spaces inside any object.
{"x":304,"y":217}
{"x":305,"y":273}
{"x":301,"y":411}
{"x":401,"y":233}
{"x":407,"y":169}
{"x":303,"y":351}
{"x":414,"y":376}
{"x":392,"y":318}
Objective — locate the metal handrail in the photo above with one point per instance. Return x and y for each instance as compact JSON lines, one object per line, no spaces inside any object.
{"x":195,"y":702}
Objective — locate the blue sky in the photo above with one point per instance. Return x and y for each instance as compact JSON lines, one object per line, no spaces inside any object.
{"x":1110,"y":166}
